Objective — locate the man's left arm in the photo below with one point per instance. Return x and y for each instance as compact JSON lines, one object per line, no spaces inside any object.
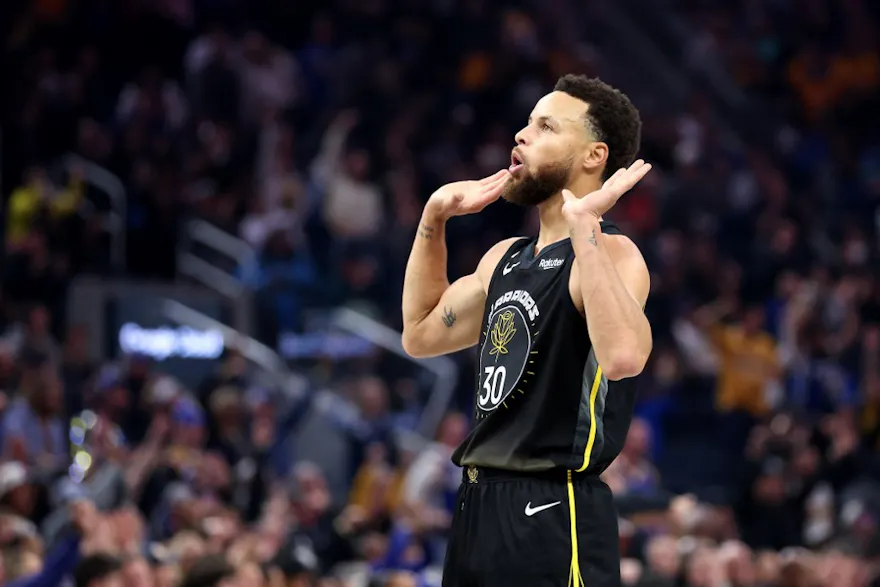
{"x":612,"y":282}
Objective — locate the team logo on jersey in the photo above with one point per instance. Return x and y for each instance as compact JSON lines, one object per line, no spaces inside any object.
{"x":502,"y":333}
{"x":506,"y":350}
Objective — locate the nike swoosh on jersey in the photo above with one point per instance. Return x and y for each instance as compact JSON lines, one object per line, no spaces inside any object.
{"x":508,"y":268}
{"x":531,"y":511}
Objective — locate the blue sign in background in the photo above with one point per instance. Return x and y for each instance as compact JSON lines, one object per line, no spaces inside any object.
{"x":137,"y":324}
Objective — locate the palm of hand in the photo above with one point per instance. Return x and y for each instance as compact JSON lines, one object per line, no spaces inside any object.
{"x":597,"y":203}
{"x":468,"y":197}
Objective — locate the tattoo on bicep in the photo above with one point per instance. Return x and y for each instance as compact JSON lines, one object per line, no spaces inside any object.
{"x":592,"y":240}
{"x":448,"y":317}
{"x":425,"y":231}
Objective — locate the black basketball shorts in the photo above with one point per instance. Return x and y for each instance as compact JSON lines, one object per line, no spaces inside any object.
{"x":532,"y":530}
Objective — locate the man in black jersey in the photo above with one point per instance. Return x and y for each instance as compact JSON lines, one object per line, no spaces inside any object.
{"x":561,"y":332}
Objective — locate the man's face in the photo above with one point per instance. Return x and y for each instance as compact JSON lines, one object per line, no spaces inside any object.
{"x":111,"y":580}
{"x":549,"y":150}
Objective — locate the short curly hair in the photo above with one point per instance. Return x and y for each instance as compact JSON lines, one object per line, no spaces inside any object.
{"x":611,"y":118}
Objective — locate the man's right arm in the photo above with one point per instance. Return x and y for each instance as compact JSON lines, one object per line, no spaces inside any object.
{"x":439,"y":317}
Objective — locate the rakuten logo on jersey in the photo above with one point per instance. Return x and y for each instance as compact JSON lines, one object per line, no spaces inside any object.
{"x":551,"y":263}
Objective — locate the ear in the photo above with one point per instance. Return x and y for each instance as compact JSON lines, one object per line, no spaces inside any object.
{"x":595,"y":156}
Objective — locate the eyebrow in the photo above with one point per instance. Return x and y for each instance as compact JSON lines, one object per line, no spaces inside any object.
{"x":552,"y":120}
{"x":543,"y":119}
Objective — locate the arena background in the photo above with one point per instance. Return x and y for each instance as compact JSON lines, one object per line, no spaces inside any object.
{"x":207,"y":208}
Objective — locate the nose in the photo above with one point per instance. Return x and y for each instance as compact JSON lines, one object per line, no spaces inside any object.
{"x":520,"y":137}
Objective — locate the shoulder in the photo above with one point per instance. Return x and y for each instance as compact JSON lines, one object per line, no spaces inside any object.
{"x":493,"y":256}
{"x":623,"y":249}
{"x":629,"y":263}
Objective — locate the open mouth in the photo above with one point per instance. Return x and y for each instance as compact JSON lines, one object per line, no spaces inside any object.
{"x":516,"y":162}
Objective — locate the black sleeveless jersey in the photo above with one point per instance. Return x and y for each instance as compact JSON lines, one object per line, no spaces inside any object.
{"x":542,"y":401}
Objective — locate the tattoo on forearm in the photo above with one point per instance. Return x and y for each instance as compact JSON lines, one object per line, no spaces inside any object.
{"x":592,"y":240}
{"x":448,"y":317}
{"x":425,"y":231}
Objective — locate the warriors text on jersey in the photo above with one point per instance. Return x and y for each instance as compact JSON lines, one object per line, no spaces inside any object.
{"x":542,"y":401}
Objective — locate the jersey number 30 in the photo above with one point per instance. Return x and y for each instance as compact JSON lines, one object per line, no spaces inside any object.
{"x":493,"y":385}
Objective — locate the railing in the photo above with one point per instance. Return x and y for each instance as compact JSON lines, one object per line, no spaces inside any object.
{"x":658,"y":20}
{"x":317,"y":436}
{"x":674,"y":84}
{"x":444,"y":369}
{"x":268,"y":360}
{"x":194,"y":267}
{"x":115,"y":221}
{"x":208,"y":274}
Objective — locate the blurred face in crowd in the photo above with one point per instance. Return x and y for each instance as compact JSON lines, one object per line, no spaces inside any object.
{"x":22,"y":499}
{"x":165,"y":576}
{"x":373,"y":397}
{"x":453,"y":429}
{"x":6,"y":365}
{"x":111,"y":580}
{"x":740,"y":564}
{"x":314,"y":497}
{"x":770,"y":488}
{"x":549,"y":150}
{"x":213,"y":472}
{"x":663,"y":557}
{"x":767,"y":567}
{"x":638,"y":439}
{"x":75,"y":347}
{"x":138,"y":369}
{"x":843,"y":570}
{"x":234,"y":365}
{"x":47,"y":394}
{"x":704,"y":569}
{"x":402,"y":580}
{"x":357,"y":163}
{"x":116,"y":400}
{"x":249,"y":575}
{"x":38,"y":322}
{"x":136,"y":573}
{"x":36,"y":177}
{"x":188,"y":432}
{"x":753,"y":320}
{"x":256,"y":47}
{"x":787,"y":285}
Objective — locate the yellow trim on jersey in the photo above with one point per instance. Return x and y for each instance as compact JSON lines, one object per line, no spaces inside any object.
{"x":597,"y":381}
{"x":574,"y":573}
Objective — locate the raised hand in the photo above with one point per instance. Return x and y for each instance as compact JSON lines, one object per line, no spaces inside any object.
{"x":599,"y":202}
{"x":466,"y":197}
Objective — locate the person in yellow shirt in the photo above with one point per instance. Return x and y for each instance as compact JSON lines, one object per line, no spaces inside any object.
{"x":748,"y":361}
{"x":25,"y":204}
{"x":38,"y":196}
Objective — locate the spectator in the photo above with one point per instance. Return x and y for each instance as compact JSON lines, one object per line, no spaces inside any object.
{"x":749,"y":362}
{"x":98,"y":570}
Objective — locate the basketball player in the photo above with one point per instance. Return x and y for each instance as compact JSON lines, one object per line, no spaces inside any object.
{"x":561,"y":331}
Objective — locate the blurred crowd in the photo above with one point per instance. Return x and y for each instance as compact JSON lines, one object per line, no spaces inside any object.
{"x":315,"y":134}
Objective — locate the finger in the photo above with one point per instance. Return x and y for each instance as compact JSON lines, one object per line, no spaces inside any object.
{"x":497,"y":186}
{"x":498,"y":174}
{"x":485,"y":197}
{"x":568,"y":196}
{"x":613,"y":179}
{"x":633,"y":177}
{"x":489,"y":194}
{"x":500,"y":178}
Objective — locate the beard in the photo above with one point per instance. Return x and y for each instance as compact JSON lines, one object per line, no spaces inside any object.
{"x":536,"y":188}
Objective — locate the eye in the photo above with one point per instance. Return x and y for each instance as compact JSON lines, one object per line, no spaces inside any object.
{"x":546,"y":127}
